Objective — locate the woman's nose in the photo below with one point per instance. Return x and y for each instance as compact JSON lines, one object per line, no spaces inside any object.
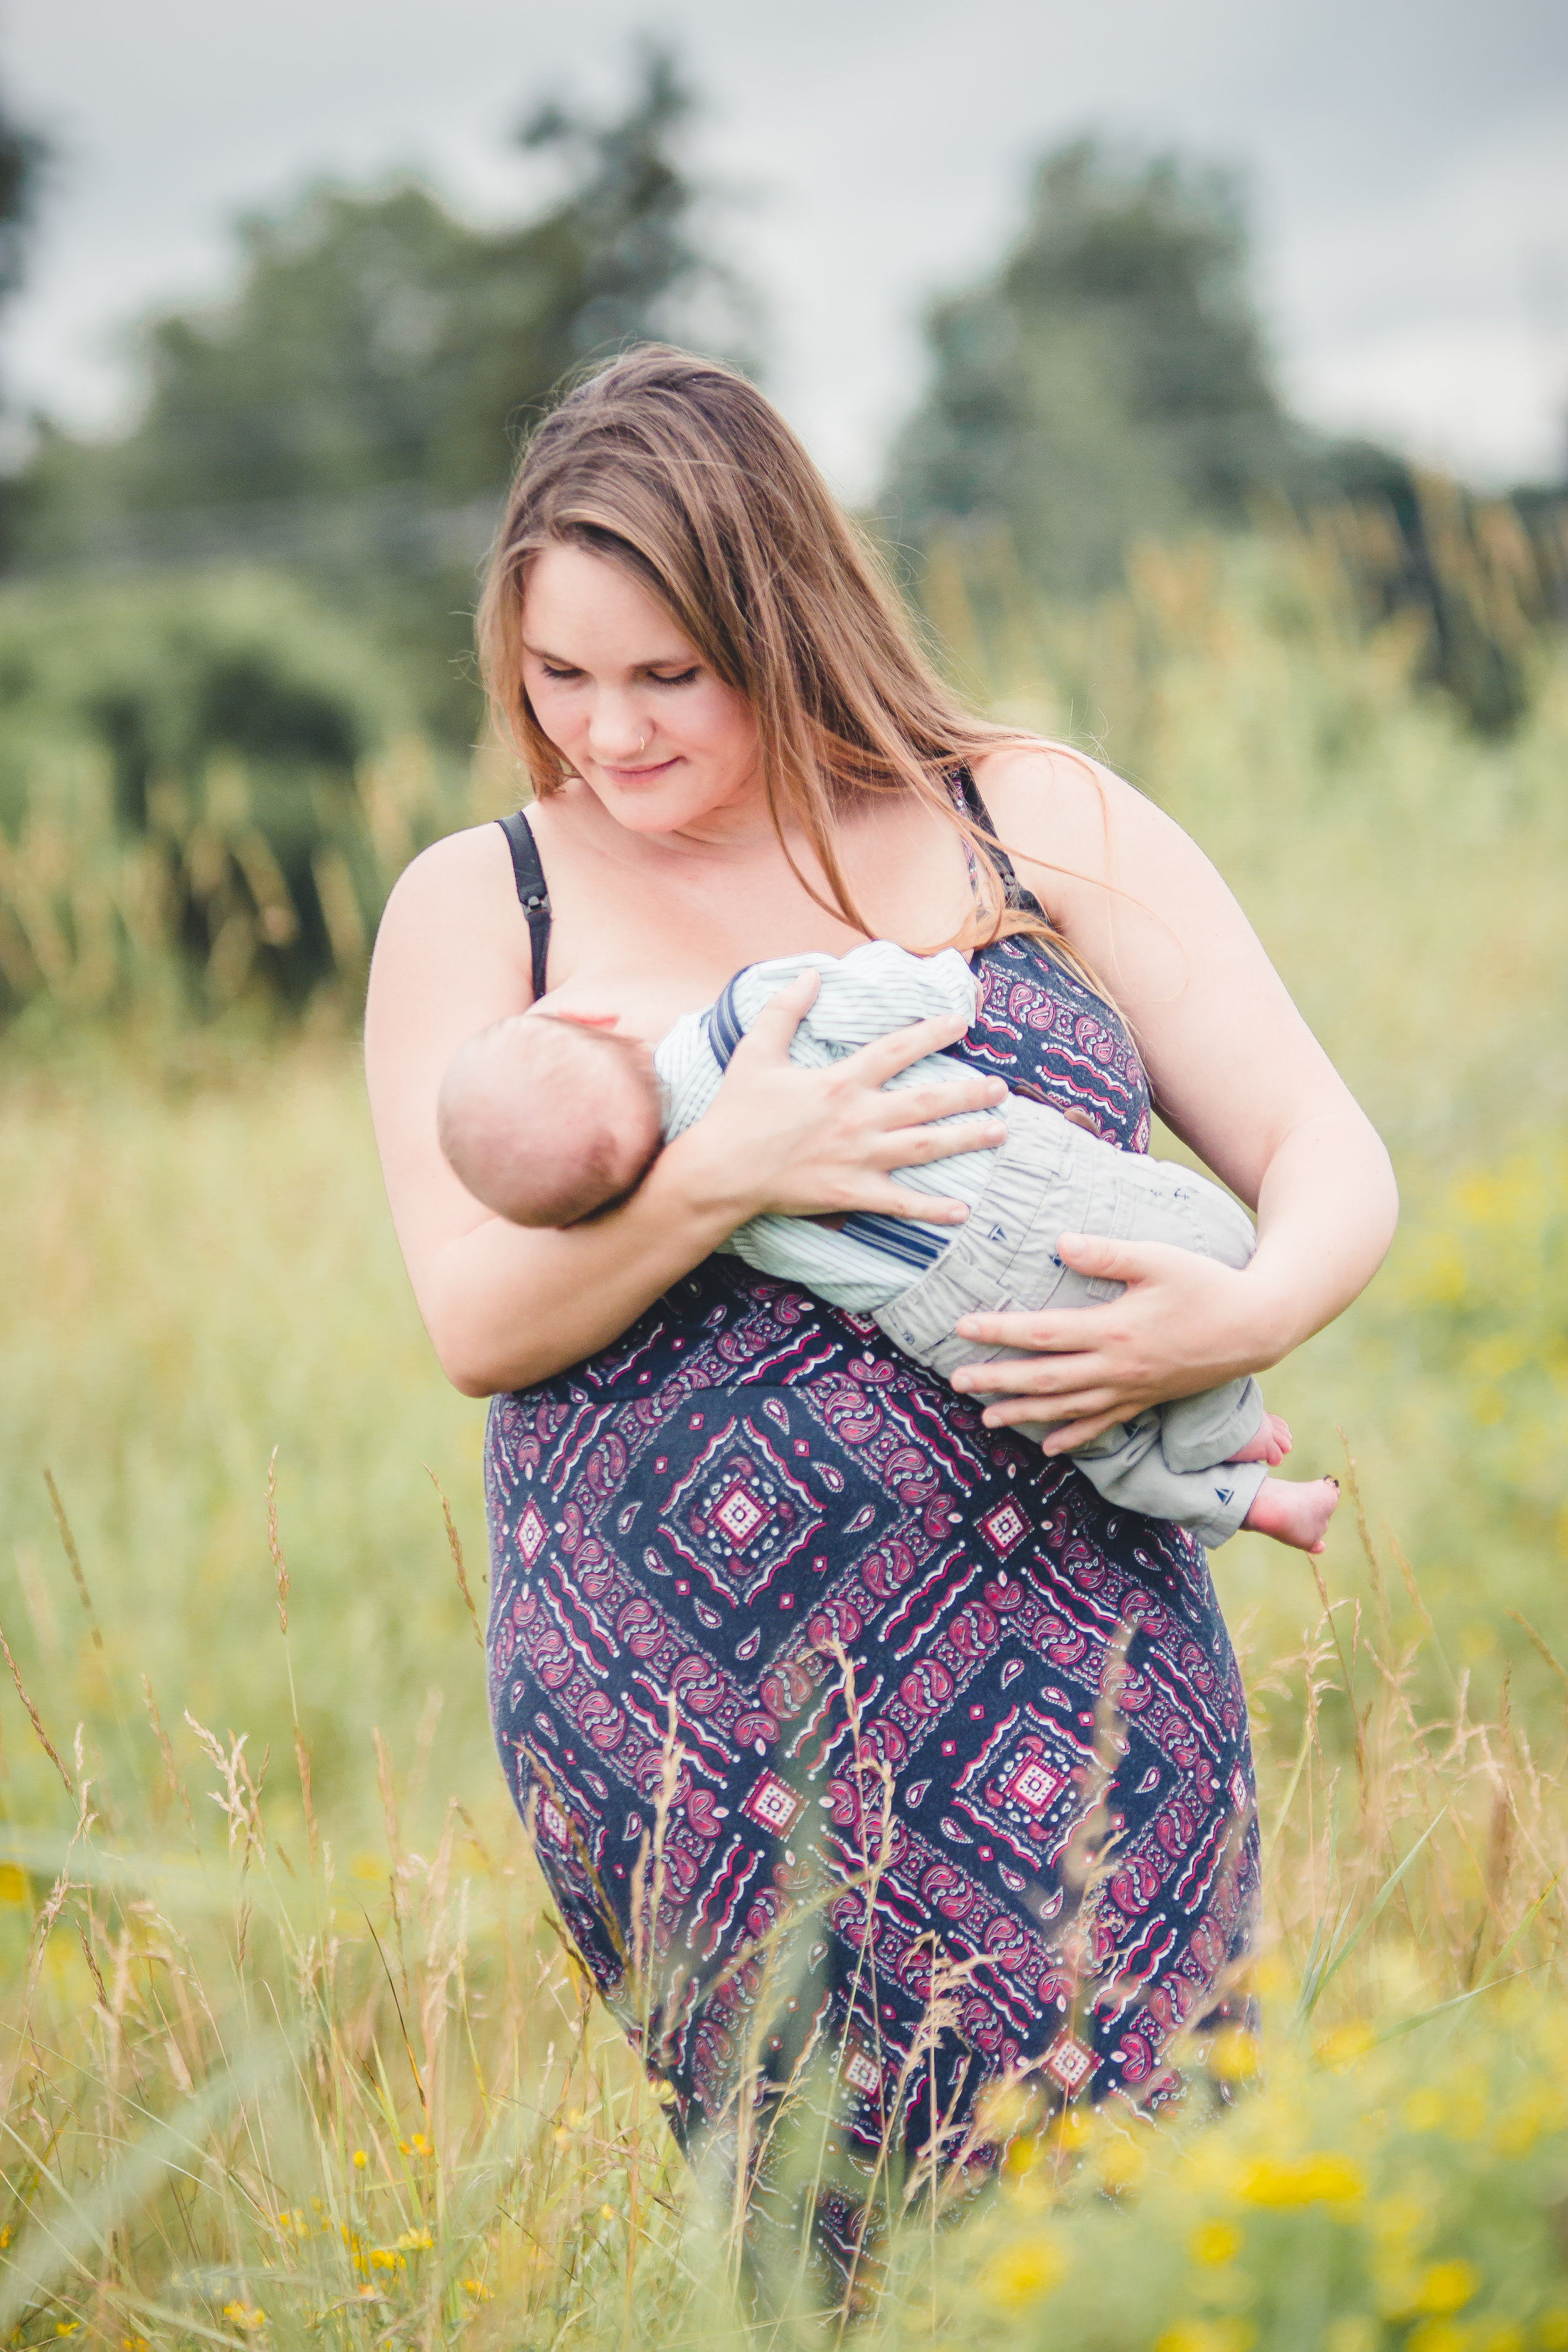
{"x":617,"y":731}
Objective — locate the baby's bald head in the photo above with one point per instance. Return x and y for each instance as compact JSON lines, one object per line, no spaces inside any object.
{"x":545,"y":1119}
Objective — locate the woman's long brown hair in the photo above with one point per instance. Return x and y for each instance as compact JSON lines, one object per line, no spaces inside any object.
{"x":678,"y":471}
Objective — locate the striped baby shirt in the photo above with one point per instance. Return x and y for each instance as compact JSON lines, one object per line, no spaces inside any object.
{"x":863,"y":995}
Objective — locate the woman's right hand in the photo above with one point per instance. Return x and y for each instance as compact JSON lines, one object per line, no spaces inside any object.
{"x":802,"y":1142}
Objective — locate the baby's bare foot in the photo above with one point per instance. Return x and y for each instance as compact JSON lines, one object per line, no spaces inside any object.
{"x":1293,"y":1512}
{"x":1272,"y":1443}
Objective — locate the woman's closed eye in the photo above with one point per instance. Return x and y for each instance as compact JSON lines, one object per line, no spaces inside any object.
{"x":563,"y":677}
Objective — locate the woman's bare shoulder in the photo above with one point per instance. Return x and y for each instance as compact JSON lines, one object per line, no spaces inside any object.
{"x":454,"y":867}
{"x":1053,"y":802}
{"x":452,"y":924}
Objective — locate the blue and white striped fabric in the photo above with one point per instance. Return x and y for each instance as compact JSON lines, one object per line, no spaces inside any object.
{"x":864,"y":995}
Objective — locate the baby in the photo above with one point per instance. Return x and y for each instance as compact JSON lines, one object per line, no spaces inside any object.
{"x":546,"y":1119}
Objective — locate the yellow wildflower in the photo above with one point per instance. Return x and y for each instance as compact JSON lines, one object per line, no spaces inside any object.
{"x":245,"y":2315}
{"x":416,"y":2242}
{"x":1024,"y":2274}
{"x":1121,"y":2162}
{"x":1551,"y":2329}
{"x":1424,"y":2111}
{"x":420,"y":2145}
{"x":1396,"y":2217}
{"x":1448,"y":2287}
{"x":1214,"y":2242}
{"x":1006,"y":2108}
{"x":386,"y":2258}
{"x":478,"y":2289}
{"x":360,"y":2159}
{"x":1437,"y":2336}
{"x":1321,"y":2177}
{"x":1207,"y":2335}
{"x":1232,"y":2055}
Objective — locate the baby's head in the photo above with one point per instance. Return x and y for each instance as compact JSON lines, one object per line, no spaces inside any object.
{"x":545,"y":1119}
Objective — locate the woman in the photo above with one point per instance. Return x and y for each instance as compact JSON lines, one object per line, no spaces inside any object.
{"x":822,"y":1692}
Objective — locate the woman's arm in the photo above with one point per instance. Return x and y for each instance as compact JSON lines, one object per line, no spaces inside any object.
{"x":506,"y":1305}
{"x":1235,"y":1073}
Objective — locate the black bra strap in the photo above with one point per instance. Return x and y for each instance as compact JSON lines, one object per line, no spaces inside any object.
{"x":1021,"y":900}
{"x":533,"y":890}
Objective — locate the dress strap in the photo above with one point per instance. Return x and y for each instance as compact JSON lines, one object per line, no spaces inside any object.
{"x":533,"y":890}
{"x":967,"y":794}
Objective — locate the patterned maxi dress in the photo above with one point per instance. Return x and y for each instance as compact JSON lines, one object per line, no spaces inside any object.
{"x":918,"y":1675}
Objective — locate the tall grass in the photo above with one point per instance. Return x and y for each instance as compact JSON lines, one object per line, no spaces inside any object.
{"x":293,"y":2049}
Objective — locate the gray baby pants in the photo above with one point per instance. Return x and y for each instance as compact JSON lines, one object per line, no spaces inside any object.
{"x":1052,"y":1178}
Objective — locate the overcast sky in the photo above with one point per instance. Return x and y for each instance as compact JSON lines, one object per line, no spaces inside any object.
{"x":1408,"y":165}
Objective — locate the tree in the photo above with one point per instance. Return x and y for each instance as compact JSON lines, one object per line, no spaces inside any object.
{"x":351,"y":411}
{"x":22,"y":157}
{"x":1110,"y":380}
{"x":375,"y":341}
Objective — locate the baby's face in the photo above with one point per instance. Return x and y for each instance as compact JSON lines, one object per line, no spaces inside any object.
{"x":548,"y":1116}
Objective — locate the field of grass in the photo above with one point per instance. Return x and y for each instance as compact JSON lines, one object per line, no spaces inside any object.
{"x":310,"y":2063}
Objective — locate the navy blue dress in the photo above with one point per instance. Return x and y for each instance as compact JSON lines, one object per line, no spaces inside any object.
{"x":927,"y":1717}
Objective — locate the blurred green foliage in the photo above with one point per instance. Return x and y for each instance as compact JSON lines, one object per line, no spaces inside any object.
{"x":206,"y":787}
{"x":1109,"y":381}
{"x":351,"y":410}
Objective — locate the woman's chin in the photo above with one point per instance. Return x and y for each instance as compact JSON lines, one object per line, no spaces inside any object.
{"x":671,"y":802}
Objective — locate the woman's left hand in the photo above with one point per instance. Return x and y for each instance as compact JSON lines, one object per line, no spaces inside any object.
{"x":1182,"y":1324}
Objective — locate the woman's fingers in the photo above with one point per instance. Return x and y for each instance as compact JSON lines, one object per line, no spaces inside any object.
{"x":1044,"y":1339}
{"x":916,"y":1147}
{"x":769,"y":1035}
{"x":913,"y":1208}
{"x":884,"y":1056}
{"x":941,"y":1098}
{"x":1070,"y":1435}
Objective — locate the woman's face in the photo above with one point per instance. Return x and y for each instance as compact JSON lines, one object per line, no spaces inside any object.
{"x":624,"y":696}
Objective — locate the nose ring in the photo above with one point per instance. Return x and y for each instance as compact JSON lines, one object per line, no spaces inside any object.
{"x":643,"y":745}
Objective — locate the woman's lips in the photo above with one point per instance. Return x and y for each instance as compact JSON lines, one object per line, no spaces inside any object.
{"x":637,"y":776}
